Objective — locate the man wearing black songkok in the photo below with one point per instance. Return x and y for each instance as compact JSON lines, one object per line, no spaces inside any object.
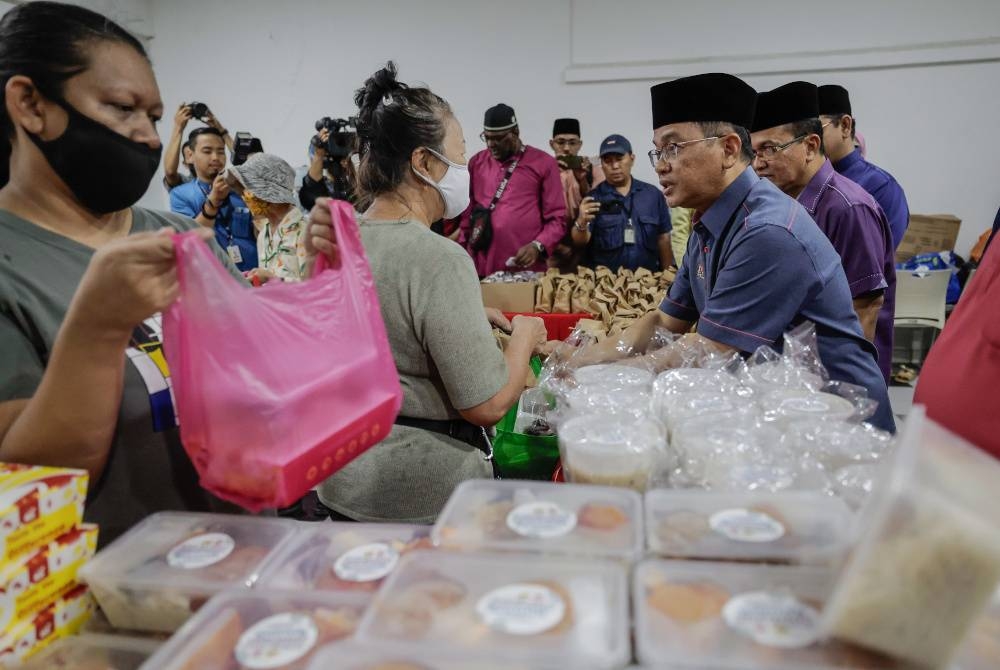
{"x":756,"y":265}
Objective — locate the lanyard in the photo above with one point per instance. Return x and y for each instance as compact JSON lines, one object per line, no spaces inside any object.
{"x":506,"y":180}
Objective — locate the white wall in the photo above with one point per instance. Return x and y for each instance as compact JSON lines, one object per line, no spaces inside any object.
{"x":922,"y":74}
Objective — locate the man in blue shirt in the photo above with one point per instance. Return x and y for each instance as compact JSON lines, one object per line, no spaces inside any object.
{"x":756,"y":263}
{"x":839,"y":129}
{"x":209,"y":200}
{"x":624,"y":222}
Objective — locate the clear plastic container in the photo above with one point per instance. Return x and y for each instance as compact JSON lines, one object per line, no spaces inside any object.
{"x":612,"y":376}
{"x":160,"y":572}
{"x":613,"y":450}
{"x":94,"y":652}
{"x":787,"y":405}
{"x":354,"y":655}
{"x":261,"y":630}
{"x":342,"y":556}
{"x":929,"y":560}
{"x":678,"y":409}
{"x":837,"y":444}
{"x":542,"y":517}
{"x":536,"y":610}
{"x":682,"y":381}
{"x":781,"y":374}
{"x":731,"y":615}
{"x":793,"y":527}
{"x":732,"y":453}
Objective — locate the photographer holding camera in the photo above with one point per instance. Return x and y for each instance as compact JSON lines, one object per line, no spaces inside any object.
{"x":175,"y":150}
{"x":331,"y":173}
{"x":624,"y":222}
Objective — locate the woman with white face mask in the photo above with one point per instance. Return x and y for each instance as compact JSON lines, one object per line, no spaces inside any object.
{"x":455,"y":380}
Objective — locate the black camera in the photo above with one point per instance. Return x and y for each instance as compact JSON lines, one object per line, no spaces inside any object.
{"x":244,"y":146}
{"x":611,"y":207}
{"x":199,"y":110}
{"x":340,"y":143}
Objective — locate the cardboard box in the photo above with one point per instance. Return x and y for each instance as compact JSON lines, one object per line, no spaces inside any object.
{"x":31,"y":581}
{"x":513,"y":297}
{"x":926,"y":233}
{"x":37,"y":505}
{"x":64,"y":616}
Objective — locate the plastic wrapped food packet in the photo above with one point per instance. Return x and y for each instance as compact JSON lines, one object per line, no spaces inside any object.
{"x":677,"y":409}
{"x":733,"y":454}
{"x":854,"y":483}
{"x":613,"y":376}
{"x":613,"y":450}
{"x":533,"y":413}
{"x":836,"y":444}
{"x":784,"y":406}
{"x":797,"y":367}
{"x":929,"y":560}
{"x":671,"y":384}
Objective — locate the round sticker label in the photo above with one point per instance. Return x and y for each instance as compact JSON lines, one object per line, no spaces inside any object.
{"x":201,"y":551}
{"x":366,"y":563}
{"x":521,"y":609}
{"x":774,"y":620}
{"x":541,"y":520}
{"x":743,"y":525}
{"x":276,"y":641}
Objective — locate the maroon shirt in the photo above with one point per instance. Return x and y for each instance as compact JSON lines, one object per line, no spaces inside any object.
{"x":860,"y":233}
{"x":533,"y":207}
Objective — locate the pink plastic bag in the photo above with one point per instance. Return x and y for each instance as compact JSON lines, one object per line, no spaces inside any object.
{"x":277,"y":388}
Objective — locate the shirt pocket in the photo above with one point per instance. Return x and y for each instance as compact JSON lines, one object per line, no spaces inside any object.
{"x":608,"y":233}
{"x":648,"y":232}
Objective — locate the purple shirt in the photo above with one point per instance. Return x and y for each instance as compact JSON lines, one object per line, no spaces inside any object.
{"x":776,"y":270}
{"x":532,"y":208}
{"x":860,"y":233}
{"x":882,"y":186}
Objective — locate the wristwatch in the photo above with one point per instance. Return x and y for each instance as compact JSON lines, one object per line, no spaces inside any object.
{"x":539,"y":246}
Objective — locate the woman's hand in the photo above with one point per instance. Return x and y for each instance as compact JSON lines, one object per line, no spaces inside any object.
{"x":497,"y":319}
{"x":127,"y":281}
{"x":262,"y":275}
{"x":529,"y":329}
{"x":320,"y":238}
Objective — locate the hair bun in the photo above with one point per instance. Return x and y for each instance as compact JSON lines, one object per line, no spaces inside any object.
{"x":378,"y":89}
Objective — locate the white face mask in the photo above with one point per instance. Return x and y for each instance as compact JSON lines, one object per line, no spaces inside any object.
{"x":453,"y":187}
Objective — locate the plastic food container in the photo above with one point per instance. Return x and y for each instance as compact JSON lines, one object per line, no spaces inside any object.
{"x":612,"y":450}
{"x":160,"y":572}
{"x":94,"y":652}
{"x":778,"y":375}
{"x":678,"y":409}
{"x":929,"y":560}
{"x":612,"y":376}
{"x":794,"y":527}
{"x":542,"y":517}
{"x":260,"y":630}
{"x":729,"y":615}
{"x":981,"y":648}
{"x":787,"y":405}
{"x":726,"y":453}
{"x":837,"y":444}
{"x":536,"y":611}
{"x":352,"y":655}
{"x":689,"y":380}
{"x":342,"y":556}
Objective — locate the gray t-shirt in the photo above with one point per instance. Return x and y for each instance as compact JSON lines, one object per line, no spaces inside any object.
{"x":447,"y":359}
{"x":147,"y":470}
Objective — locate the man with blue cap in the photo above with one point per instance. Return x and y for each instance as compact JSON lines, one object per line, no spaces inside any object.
{"x":624,"y":222}
{"x":757,"y":264}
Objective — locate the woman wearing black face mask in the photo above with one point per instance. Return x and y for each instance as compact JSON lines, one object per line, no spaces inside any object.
{"x":83,"y":273}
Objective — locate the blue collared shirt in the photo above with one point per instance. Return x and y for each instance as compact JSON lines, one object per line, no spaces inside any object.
{"x":776,"y":270}
{"x":882,"y":186}
{"x":233,"y":225}
{"x":645,"y":212}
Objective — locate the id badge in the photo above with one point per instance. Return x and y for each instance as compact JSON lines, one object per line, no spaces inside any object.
{"x":629,"y":233}
{"x":234,"y":254}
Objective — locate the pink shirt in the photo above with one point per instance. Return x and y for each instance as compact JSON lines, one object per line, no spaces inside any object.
{"x":532,"y":208}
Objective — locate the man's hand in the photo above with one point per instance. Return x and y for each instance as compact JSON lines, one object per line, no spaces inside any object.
{"x":583,"y":172}
{"x":497,"y":319}
{"x":213,"y":122}
{"x":589,"y":209}
{"x":220,"y":191}
{"x":527,"y":255}
{"x":182,"y":117}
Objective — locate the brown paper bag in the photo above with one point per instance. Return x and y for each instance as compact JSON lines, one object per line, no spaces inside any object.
{"x":546,"y":291}
{"x":563,"y":302}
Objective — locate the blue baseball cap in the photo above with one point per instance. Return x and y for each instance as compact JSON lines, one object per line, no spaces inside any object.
{"x":615,"y":144}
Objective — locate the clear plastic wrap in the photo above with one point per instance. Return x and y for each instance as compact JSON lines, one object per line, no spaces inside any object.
{"x":614,"y":450}
{"x":835,"y":445}
{"x":676,"y":410}
{"x":784,"y":406}
{"x":798,"y":367}
{"x":533,"y":413}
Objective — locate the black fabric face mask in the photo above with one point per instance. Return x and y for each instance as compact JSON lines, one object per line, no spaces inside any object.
{"x":107,"y":172}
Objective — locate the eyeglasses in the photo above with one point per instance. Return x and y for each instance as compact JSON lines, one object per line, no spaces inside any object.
{"x":493,"y":138}
{"x":567,"y":143}
{"x":671,"y":150}
{"x":767,"y":153}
